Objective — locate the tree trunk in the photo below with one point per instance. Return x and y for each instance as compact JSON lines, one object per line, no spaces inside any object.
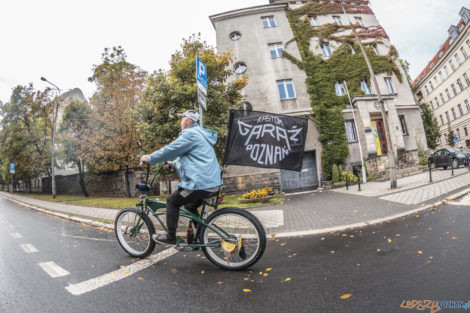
{"x":81,"y":181}
{"x":126,"y":179}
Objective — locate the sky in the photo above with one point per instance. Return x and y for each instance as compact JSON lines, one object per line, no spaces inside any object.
{"x":62,"y":40}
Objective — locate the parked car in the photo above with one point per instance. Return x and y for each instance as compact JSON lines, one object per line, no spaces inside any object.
{"x":441,"y":157}
{"x":466,"y":152}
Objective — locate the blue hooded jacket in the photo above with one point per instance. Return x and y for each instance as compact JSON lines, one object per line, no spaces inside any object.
{"x":194,"y":158}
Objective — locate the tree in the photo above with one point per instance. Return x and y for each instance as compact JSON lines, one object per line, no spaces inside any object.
{"x":450,"y":137}
{"x":73,"y":133}
{"x":112,"y":141}
{"x":175,"y":91}
{"x":25,"y":135}
{"x":431,"y":126}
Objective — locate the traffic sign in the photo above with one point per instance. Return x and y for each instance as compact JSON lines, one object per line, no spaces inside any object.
{"x":456,"y":139}
{"x":201,"y":72}
{"x":12,"y":168}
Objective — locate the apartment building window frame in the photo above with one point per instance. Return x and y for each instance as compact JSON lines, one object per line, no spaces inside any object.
{"x":388,"y":82}
{"x":465,"y":131}
{"x":459,"y":82}
{"x":446,"y":70}
{"x":268,"y":21}
{"x":435,"y":80}
{"x":431,"y":85}
{"x":442,"y":120}
{"x":339,"y":89}
{"x":448,"y":93}
{"x":359,"y":20}
{"x":431,"y":104}
{"x":376,"y":48}
{"x":286,"y":93}
{"x":447,"y":116}
{"x":457,"y":58}
{"x":275,"y":50}
{"x":459,"y":106}
{"x":350,"y":129}
{"x":441,"y":77}
{"x":467,"y":80}
{"x":337,"y":20}
{"x":313,"y":20}
{"x":452,"y":65}
{"x":437,"y":102}
{"x":325,"y":49}
{"x":442,"y":98}
{"x":453,"y":113}
{"x":467,"y":105}
{"x":453,"y":89}
{"x":464,"y":53}
{"x":404,"y":129}
{"x":366,"y":87}
{"x":427,"y":90}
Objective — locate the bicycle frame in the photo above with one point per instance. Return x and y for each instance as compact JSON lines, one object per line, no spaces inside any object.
{"x":153,"y":206}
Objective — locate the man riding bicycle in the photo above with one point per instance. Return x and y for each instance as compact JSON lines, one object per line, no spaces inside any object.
{"x":195,"y":161}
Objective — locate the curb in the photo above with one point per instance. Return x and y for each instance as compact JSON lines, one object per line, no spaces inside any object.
{"x":277,"y":235}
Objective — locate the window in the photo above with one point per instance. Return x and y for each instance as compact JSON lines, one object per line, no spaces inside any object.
{"x":313,"y":21}
{"x":359,"y":20}
{"x":286,"y":89}
{"x":441,"y":76}
{"x":453,"y":113}
{"x":458,"y":133}
{"x":465,"y":131}
{"x":339,"y":89}
{"x":432,"y":86}
{"x":448,"y":93}
{"x":466,"y":79}
{"x":460,"y":109}
{"x":376,"y":49}
{"x":442,"y":98}
{"x":432,"y":105}
{"x":458,"y":59}
{"x":325,"y":49}
{"x":468,"y":42}
{"x":268,"y":21}
{"x":464,"y":53}
{"x":276,"y":50}
{"x":437,"y":101}
{"x":452,"y":65}
{"x":388,"y":82}
{"x":447,"y":116}
{"x":453,"y":89}
{"x":337,"y":20}
{"x":403,"y":125}
{"x":427,"y":90}
{"x":235,"y":36}
{"x":447,"y":71}
{"x":240,"y":68}
{"x":442,"y":120}
{"x":352,"y":49}
{"x":459,"y":82}
{"x":467,"y":105}
{"x":435,"y":81}
{"x":365,"y":87}
{"x":350,"y":131}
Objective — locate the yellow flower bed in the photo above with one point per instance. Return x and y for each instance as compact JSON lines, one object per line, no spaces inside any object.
{"x":258,"y":193}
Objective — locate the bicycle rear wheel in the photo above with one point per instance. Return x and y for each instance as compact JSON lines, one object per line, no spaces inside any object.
{"x":134,"y":229}
{"x":245,"y":244}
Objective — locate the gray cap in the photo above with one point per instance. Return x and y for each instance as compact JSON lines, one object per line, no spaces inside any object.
{"x":193,"y":115}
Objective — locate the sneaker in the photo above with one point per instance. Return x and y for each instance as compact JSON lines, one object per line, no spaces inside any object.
{"x":164,"y":240}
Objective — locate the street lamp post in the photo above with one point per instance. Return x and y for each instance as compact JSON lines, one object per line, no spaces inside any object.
{"x":392,"y":148}
{"x":54,"y":122}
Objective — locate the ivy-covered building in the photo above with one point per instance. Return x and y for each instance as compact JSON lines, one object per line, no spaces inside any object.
{"x":300,"y":58}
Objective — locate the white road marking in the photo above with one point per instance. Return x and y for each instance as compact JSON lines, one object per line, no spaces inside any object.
{"x":101,"y":281}
{"x":16,"y":235}
{"x":28,"y":248}
{"x":53,"y":269}
{"x":88,"y":238}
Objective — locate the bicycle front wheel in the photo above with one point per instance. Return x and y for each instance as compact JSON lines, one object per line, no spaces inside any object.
{"x":134,"y":231}
{"x":243,"y":246}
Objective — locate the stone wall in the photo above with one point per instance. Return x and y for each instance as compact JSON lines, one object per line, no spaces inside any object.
{"x":379,"y":164}
{"x":246,"y":183}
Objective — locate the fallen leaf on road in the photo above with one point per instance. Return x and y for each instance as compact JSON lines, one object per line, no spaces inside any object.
{"x":287,"y":279}
{"x":454,"y":237}
{"x":322,"y":238}
{"x":202,"y":272}
{"x":173,"y":269}
{"x":420,"y":252}
{"x":431,"y":257}
{"x":127,"y":273}
{"x":332,"y":252}
{"x":345,"y":296}
{"x":268,"y":269}
{"x":273,"y":236}
{"x":447,"y":233}
{"x":246,"y":290}
{"x":265,"y":274}
{"x":378,"y":250}
{"x":141,"y":278}
{"x":283,"y":244}
{"x":397,"y":235}
{"x":246,"y":278}
{"x":414,"y":237}
{"x":389,"y":240}
{"x":430,"y":228}
{"x":220,"y":282}
{"x":122,"y":266}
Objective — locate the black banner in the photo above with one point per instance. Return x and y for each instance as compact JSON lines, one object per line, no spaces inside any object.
{"x":263,"y":139}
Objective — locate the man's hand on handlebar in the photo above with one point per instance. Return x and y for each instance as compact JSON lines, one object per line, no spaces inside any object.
{"x":144,"y":158}
{"x":168,"y":164}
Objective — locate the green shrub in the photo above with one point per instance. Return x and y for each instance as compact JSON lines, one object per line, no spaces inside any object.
{"x":350,"y":175}
{"x":334,"y":174}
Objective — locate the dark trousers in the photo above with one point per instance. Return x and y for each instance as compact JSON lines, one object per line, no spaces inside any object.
{"x":173,"y":204}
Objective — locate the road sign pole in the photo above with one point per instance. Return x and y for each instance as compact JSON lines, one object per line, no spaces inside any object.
{"x":201,"y":82}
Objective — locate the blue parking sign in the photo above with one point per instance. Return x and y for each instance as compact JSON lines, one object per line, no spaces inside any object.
{"x":201,"y":72}
{"x":12,"y":168}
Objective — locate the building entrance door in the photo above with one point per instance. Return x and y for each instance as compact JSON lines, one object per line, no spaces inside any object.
{"x":380,"y":138}
{"x":307,"y":179}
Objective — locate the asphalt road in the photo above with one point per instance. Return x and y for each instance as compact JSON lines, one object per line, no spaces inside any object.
{"x":424,"y":257}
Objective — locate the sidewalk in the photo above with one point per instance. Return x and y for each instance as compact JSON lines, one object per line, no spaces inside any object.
{"x":315,"y":212}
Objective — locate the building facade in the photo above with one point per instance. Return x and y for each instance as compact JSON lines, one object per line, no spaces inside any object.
{"x":261,"y":37}
{"x":444,"y":84}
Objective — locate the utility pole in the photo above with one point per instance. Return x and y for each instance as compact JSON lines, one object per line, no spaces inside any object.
{"x":391,"y":147}
{"x":54,"y":122}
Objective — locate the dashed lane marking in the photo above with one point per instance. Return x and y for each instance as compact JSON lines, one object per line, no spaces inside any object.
{"x":88,"y":238}
{"x":16,"y":235}
{"x":28,"y":248}
{"x":53,"y":269}
{"x":106,"y":279}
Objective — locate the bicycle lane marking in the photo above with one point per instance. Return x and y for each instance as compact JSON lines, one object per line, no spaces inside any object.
{"x":106,"y":279}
